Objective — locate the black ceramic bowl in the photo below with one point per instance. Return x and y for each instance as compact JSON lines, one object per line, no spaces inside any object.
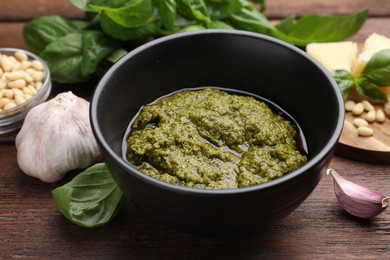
{"x":231,"y":59}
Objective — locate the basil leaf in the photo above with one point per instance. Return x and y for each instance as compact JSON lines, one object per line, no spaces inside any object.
{"x":263,"y":5}
{"x":116,"y":55}
{"x":194,"y":10}
{"x":41,"y":31}
{"x":371,"y":91}
{"x":193,"y":27}
{"x":91,"y":199}
{"x":127,"y":34}
{"x":167,"y":12}
{"x":135,"y":14}
{"x":96,"y":46}
{"x":286,"y":24}
{"x":85,"y":5}
{"x":345,"y":81}
{"x":219,"y":10}
{"x":377,"y":70}
{"x":250,"y":20}
{"x":324,"y":28}
{"x":64,"y":57}
{"x":220,"y":25}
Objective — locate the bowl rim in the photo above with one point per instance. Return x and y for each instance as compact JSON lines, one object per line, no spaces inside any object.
{"x":330,"y":145}
{"x":46,"y":85}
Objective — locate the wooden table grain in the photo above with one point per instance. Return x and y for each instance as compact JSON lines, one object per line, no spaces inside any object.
{"x":32,"y":227}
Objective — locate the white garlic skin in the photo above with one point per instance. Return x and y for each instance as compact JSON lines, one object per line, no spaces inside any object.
{"x":56,"y":137}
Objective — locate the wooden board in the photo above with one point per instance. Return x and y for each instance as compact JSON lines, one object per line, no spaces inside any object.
{"x":370,"y":149}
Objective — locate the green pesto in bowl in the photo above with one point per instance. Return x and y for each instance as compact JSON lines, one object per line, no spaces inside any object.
{"x":210,"y":139}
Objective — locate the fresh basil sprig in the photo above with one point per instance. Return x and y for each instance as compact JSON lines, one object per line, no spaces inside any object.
{"x":375,"y":74}
{"x":76,"y":51}
{"x":91,"y":199}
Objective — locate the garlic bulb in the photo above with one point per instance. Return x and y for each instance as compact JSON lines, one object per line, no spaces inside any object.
{"x":358,"y":200}
{"x":56,"y":137}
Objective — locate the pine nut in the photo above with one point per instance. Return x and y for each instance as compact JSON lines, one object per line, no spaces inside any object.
{"x":36,"y":64}
{"x":349,"y":105}
{"x":360,"y":122}
{"x":8,"y":93}
{"x":21,"y":56}
{"x":370,"y":116}
{"x":20,"y":83}
{"x":6,"y":63}
{"x":16,"y":66}
{"x":37,"y":76}
{"x":4,"y":101}
{"x":38,"y":85}
{"x":367,"y":105}
{"x":32,"y":89}
{"x":27,"y":96}
{"x":3,"y":84}
{"x":365,"y":131}
{"x":17,"y":92}
{"x":27,"y":90}
{"x":380,"y":116}
{"x":358,"y":109}
{"x":19,"y":100}
{"x":25,"y":65}
{"x":27,"y":77}
{"x":30,"y":71}
{"x":14,"y":75}
{"x":9,"y":105}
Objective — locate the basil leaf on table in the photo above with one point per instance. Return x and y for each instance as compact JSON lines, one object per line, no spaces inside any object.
{"x":325,"y":28}
{"x":377,"y":69}
{"x":91,"y":199}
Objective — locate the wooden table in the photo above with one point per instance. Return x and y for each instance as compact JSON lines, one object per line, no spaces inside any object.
{"x":32,"y":227}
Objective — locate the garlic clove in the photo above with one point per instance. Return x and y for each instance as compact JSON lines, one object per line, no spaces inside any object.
{"x":56,"y":137}
{"x":358,"y":200}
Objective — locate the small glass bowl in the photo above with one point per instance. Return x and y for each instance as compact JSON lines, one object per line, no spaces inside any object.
{"x":12,"y":119}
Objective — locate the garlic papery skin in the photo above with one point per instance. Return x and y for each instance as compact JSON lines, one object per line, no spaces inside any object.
{"x":357,"y":200}
{"x":56,"y":137}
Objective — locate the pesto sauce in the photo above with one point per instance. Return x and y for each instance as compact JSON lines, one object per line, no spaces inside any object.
{"x":211,"y":139}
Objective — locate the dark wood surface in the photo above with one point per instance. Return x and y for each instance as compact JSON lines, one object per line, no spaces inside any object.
{"x":32,"y":227}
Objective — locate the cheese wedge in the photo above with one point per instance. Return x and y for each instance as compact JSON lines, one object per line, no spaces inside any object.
{"x":374,"y":43}
{"x":334,"y":55}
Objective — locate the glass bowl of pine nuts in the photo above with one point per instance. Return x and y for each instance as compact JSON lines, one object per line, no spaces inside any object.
{"x":24,"y":83}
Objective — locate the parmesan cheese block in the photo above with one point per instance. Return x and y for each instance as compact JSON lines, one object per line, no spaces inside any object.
{"x":334,"y":55}
{"x":376,"y":41}
{"x":372,"y":45}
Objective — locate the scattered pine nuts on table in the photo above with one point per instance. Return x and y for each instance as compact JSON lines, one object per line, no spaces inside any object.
{"x":366,"y":114}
